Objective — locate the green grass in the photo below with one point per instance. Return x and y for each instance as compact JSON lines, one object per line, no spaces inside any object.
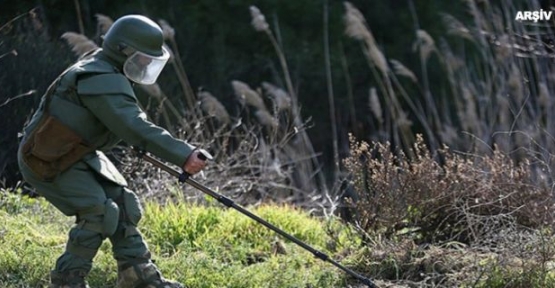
{"x":199,"y":246}
{"x":211,"y":246}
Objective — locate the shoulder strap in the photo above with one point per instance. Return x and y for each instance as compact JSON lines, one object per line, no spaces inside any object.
{"x":50,"y":91}
{"x":101,"y":84}
{"x":54,"y":85}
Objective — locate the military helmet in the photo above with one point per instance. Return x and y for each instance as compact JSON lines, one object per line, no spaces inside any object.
{"x":138,"y":43}
{"x":137,"y":32}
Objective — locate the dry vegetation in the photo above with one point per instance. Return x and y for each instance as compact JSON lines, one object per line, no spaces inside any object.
{"x":467,"y":198}
{"x":474,"y":220}
{"x":470,"y":201}
{"x":262,"y":155}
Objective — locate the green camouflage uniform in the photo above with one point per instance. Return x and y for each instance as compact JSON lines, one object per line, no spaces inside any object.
{"x":95,"y":100}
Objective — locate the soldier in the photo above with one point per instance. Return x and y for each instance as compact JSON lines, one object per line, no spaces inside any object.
{"x":89,"y":108}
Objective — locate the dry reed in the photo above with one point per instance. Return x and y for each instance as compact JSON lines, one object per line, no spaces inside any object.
{"x":356,"y":27}
{"x":213,"y":107}
{"x":103,"y":23}
{"x":258,"y":20}
{"x":425,"y":44}
{"x":374,"y":104}
{"x":280,"y":98}
{"x":79,"y":43}
{"x":247,"y":95}
{"x":402,"y":70}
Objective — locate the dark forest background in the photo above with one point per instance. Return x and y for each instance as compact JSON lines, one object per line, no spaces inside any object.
{"x":217,"y":44}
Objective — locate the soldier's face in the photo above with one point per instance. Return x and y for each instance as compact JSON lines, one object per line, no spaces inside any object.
{"x":143,"y":60}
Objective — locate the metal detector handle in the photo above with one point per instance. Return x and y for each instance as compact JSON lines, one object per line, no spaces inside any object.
{"x":184,"y":178}
{"x":204,"y":155}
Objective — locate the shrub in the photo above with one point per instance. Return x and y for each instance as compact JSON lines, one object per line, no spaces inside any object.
{"x":463,"y":197}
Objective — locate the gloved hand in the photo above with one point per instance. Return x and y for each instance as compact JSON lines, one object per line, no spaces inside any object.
{"x":196,"y":161}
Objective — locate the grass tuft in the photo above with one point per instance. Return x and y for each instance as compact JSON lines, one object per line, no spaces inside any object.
{"x":200,"y":246}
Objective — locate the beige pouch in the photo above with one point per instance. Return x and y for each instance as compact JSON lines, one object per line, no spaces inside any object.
{"x":52,"y":148}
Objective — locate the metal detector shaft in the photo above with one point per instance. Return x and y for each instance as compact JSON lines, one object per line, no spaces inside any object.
{"x":184,"y":177}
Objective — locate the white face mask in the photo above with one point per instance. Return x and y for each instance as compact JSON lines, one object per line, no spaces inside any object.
{"x":143,"y":68}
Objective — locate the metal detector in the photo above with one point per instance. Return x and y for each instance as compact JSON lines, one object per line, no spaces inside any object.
{"x":185,"y":178}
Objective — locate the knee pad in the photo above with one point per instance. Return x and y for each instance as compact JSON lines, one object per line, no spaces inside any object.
{"x":133,"y":211}
{"x":102,"y":218}
{"x":93,"y":225}
{"x":111,"y":218}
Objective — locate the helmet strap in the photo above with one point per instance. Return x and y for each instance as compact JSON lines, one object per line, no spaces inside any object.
{"x":126,"y":50}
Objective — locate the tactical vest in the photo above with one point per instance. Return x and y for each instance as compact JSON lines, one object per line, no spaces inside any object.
{"x":62,"y":131}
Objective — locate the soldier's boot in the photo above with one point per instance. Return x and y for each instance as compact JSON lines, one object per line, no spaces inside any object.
{"x":71,"y":279}
{"x":144,"y":275}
